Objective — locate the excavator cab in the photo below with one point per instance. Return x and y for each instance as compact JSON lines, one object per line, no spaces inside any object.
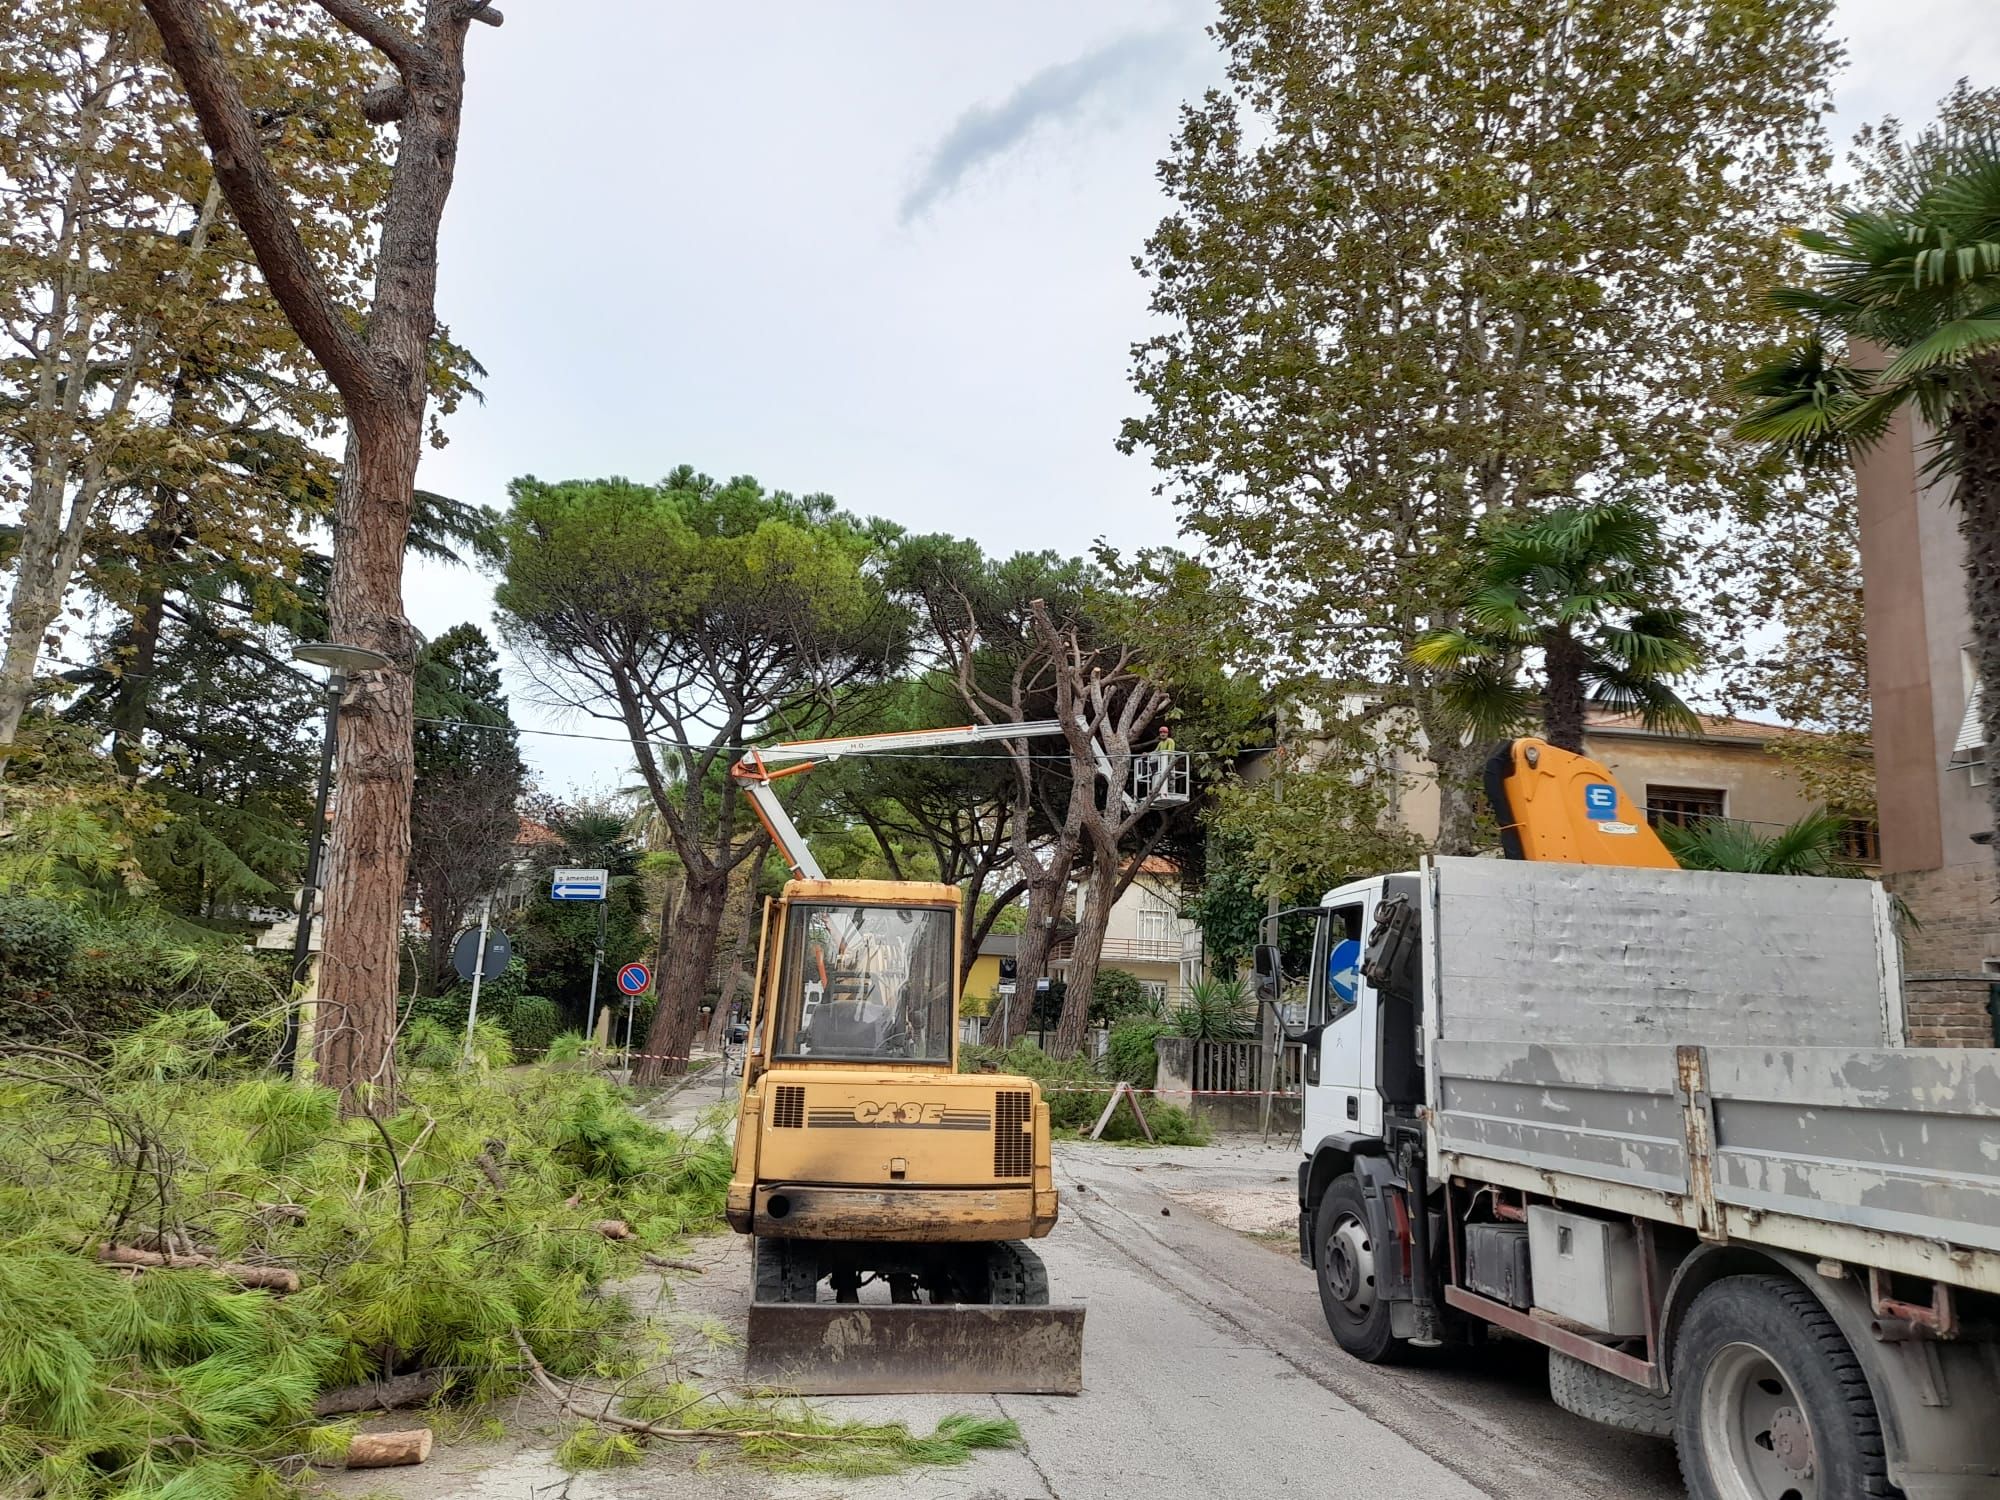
{"x":864,"y":1158}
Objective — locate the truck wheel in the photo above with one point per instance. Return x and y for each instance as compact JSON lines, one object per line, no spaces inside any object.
{"x":1345,"y":1254}
{"x":1769,"y":1400}
{"x":1017,"y":1276}
{"x":785,"y":1271}
{"x":1607,"y":1398}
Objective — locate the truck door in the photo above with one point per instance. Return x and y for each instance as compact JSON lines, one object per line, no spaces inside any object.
{"x":1336,"y":1102}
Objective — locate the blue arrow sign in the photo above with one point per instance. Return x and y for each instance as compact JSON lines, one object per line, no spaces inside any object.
{"x":1343,"y":970}
{"x":579,"y":885}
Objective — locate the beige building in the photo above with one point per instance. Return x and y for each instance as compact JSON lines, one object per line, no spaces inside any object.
{"x":1931,"y":762}
{"x":1147,"y":935}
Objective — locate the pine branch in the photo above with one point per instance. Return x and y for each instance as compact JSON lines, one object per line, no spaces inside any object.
{"x":259,"y":202}
{"x":378,"y":31}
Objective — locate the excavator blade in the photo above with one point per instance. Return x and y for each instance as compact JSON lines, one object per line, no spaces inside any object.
{"x":851,"y":1349}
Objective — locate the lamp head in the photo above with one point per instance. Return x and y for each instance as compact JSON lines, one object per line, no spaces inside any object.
{"x":338,"y":657}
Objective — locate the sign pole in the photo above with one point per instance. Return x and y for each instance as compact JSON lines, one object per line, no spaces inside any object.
{"x":478,"y":973}
{"x":596,"y":962}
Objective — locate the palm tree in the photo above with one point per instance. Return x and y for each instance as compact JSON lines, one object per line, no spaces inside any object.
{"x":1811,"y":846}
{"x":1903,"y":308}
{"x":1584,"y":588}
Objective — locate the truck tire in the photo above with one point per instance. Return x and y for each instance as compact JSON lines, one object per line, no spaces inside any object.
{"x":1344,"y":1255}
{"x":1607,"y":1398}
{"x":1769,"y":1401}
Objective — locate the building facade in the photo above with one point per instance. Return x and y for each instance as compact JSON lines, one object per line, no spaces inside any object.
{"x":1931,"y":765}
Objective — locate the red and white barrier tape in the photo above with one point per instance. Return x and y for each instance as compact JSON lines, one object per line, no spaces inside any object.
{"x":1047,"y":1088}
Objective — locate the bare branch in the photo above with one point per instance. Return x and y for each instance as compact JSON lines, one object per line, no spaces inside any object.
{"x":377,"y":30}
{"x":483,"y":13}
{"x":258,"y":201}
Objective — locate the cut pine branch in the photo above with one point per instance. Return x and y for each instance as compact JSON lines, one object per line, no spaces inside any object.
{"x":264,"y":1278}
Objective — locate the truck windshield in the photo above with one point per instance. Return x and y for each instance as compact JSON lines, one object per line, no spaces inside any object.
{"x":866,"y":982}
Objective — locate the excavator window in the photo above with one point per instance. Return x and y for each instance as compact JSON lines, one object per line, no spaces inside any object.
{"x":866,"y":983}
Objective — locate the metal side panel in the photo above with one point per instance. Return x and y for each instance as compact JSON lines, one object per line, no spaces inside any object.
{"x":1905,"y":1142}
{"x":1595,"y":954}
{"x":1594,"y":1111}
{"x":834,"y":1349}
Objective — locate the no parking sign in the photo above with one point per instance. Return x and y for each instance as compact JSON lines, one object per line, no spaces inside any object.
{"x":634,"y":979}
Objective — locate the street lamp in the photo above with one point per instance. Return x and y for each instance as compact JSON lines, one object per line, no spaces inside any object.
{"x":339,"y":660}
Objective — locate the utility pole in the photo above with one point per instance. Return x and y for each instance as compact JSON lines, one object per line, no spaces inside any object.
{"x":478,"y":973}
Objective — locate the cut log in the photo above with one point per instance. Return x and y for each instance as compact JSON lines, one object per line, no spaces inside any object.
{"x":266,"y":1278}
{"x":389,"y":1450}
{"x":613,"y":1229}
{"x":380,"y":1395}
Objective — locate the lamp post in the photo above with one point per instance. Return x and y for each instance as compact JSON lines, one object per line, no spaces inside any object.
{"x":339,"y":660}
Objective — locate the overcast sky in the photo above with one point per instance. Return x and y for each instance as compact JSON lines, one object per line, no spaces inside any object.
{"x":877,"y":249}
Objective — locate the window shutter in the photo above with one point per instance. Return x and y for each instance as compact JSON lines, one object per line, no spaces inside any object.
{"x":1972,"y":729}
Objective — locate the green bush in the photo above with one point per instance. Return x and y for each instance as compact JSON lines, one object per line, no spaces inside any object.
{"x":1131,"y":1054}
{"x":1118,"y":993}
{"x":122,"y":974}
{"x":534,"y":1024}
{"x":37,"y":941}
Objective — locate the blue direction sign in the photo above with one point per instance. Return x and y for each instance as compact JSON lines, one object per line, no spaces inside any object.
{"x":580,"y":885}
{"x":1343,"y":970}
{"x":634,"y":978}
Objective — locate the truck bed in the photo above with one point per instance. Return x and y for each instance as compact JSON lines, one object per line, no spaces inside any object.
{"x":1715,"y":1051}
{"x":1880,"y":1157}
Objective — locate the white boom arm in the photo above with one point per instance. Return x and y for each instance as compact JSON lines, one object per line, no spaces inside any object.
{"x":753,"y":771}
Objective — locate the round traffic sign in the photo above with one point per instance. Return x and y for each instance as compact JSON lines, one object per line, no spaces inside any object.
{"x":465,"y":955}
{"x":634,"y":978}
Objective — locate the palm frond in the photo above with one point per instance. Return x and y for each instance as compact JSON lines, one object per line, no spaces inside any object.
{"x":1447,"y":650}
{"x":1486,"y":700}
{"x":1951,"y":343}
{"x":1657,"y":705}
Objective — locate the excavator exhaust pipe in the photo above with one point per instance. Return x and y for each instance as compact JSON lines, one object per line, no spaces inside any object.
{"x":852,"y":1349}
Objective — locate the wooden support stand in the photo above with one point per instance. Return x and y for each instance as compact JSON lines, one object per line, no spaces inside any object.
{"x":1126,"y":1092}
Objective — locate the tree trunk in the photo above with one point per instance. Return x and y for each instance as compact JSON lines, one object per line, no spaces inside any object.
{"x":1031,"y":964}
{"x":1085,"y":950}
{"x":1978,"y":437}
{"x":739,"y":953}
{"x":670,"y":1035}
{"x":1460,"y":771}
{"x":1562,"y":697}
{"x":382,"y":371}
{"x":368,"y":857}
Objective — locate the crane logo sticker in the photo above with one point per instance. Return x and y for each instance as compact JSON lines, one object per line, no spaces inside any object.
{"x":1600,"y":806}
{"x":900,"y":1114}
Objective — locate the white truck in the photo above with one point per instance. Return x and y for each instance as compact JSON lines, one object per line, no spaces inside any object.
{"x":1662,"y":1122}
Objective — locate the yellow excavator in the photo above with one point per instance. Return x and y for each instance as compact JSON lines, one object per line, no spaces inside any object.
{"x":864,"y":1158}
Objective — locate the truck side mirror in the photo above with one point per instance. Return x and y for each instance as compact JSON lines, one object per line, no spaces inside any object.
{"x":1269,"y":972}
